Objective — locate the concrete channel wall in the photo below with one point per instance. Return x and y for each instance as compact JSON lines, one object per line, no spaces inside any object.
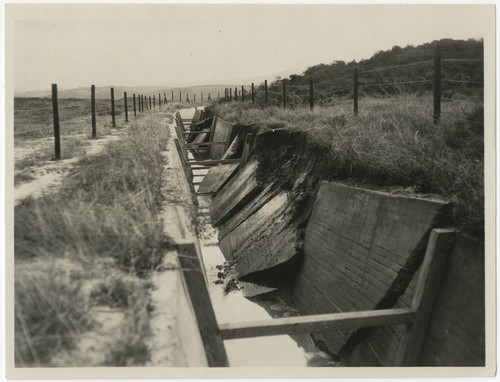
{"x":362,"y":250}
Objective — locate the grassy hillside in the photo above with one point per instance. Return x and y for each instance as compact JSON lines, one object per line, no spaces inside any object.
{"x":392,"y":72}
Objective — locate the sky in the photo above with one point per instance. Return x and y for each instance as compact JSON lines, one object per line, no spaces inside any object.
{"x":196,"y":44}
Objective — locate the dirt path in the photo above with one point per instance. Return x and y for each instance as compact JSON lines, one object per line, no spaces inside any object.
{"x":47,"y":178}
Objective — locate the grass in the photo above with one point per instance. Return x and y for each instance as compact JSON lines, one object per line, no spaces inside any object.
{"x":33,"y":117}
{"x":107,"y":208}
{"x":392,"y":142}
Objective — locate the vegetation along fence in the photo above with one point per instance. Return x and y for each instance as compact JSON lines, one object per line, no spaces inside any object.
{"x":447,"y":79}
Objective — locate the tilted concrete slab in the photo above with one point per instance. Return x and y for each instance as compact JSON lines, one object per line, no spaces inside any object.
{"x":235,"y":194}
{"x":216,"y":177}
{"x":247,"y":210}
{"x":268,"y":238}
{"x":221,"y":132}
{"x":361,"y":250}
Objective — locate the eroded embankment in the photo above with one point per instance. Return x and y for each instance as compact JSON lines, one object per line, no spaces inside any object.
{"x":339,"y":247}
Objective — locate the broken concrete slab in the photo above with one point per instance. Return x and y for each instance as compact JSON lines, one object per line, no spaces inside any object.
{"x":232,"y":149}
{"x":216,"y":177}
{"x":247,"y":210}
{"x":361,"y":250}
{"x":235,"y":194}
{"x":255,"y":291}
{"x":268,"y":238}
{"x":221,"y":132}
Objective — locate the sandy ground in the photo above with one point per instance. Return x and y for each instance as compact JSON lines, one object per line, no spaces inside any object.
{"x":48,"y":176}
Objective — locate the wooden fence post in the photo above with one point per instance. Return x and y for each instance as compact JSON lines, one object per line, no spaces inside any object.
{"x":426,"y":291}
{"x":242,"y":94}
{"x":253,"y":94}
{"x":266,"y":99}
{"x":437,"y":85}
{"x":135,"y":112}
{"x":194,"y":98}
{"x":236,"y":94}
{"x":154,"y":101}
{"x":195,"y":282}
{"x":113,"y":107}
{"x":284,"y":93}
{"x":355,"y":91}
{"x":230,"y":94}
{"x":180,"y":96}
{"x":126,"y":106}
{"x":92,"y":107}
{"x":311,"y":95}
{"x":150,"y":103}
{"x":55,"y":116}
{"x":165,"y":98}
{"x":202,"y":97}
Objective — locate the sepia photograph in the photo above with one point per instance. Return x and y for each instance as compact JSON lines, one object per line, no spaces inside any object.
{"x":249,"y":190}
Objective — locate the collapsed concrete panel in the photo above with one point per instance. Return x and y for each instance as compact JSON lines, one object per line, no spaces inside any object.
{"x":361,"y":250}
{"x":235,"y":194}
{"x":216,"y":177}
{"x":221,"y":132}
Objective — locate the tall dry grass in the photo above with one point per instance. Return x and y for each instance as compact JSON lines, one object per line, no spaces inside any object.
{"x":107,"y":208}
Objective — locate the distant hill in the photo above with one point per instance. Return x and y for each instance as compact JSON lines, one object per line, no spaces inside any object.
{"x":338,"y":75}
{"x":103,"y":92}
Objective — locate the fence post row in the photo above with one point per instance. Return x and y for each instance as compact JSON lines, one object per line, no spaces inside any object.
{"x":126,"y":106}
{"x":437,"y":85}
{"x":355,"y":91}
{"x":113,"y":107}
{"x":55,"y":116}
{"x":92,"y":107}
{"x":135,"y":113}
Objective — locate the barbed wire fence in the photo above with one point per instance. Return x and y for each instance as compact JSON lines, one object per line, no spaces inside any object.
{"x":345,"y":88}
{"x":351,"y":86}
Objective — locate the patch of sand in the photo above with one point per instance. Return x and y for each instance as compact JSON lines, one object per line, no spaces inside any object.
{"x":48,"y":177}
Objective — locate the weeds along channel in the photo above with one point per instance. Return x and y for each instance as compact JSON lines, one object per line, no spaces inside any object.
{"x":83,"y":256}
{"x":392,"y":142}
